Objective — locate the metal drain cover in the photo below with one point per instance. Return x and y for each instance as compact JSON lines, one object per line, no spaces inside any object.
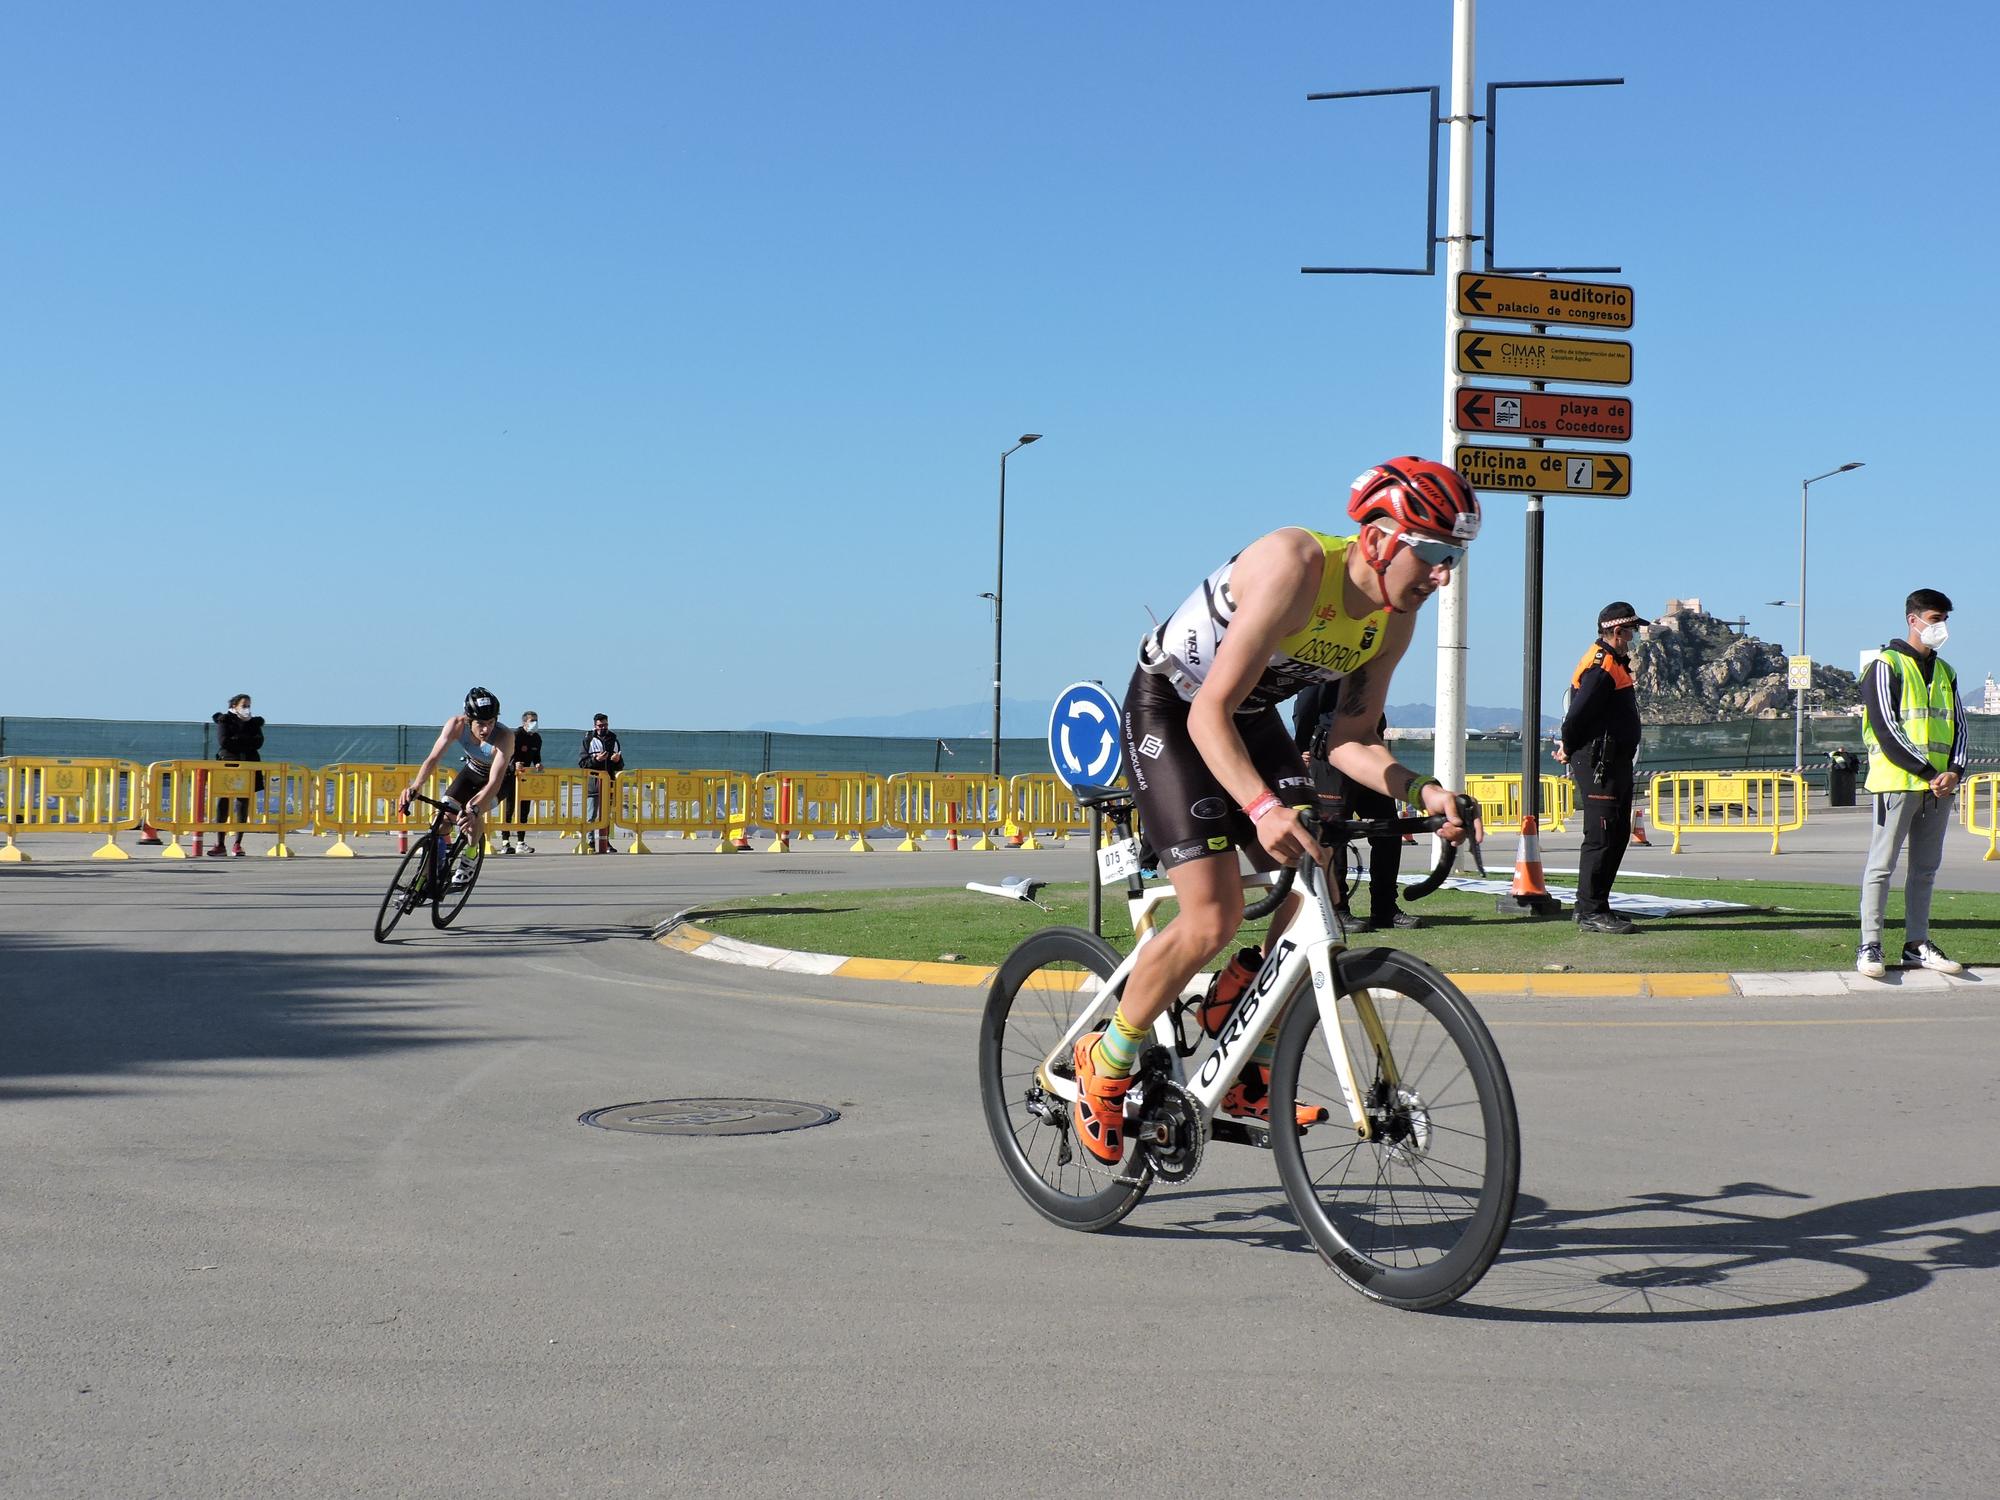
{"x":710,"y":1116}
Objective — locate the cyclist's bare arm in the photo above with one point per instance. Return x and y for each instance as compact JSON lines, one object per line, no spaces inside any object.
{"x":1355,"y":746}
{"x":1275,"y":582}
{"x":450,"y":732}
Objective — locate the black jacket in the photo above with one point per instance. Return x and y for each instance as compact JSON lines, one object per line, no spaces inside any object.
{"x":598,"y":750}
{"x":1603,"y":716}
{"x":528,"y":749}
{"x":238,"y":739}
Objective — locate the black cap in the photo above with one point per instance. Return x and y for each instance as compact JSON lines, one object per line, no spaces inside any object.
{"x":1618,"y":612}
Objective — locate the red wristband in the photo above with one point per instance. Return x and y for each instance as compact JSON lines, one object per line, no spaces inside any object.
{"x":1256,"y":810}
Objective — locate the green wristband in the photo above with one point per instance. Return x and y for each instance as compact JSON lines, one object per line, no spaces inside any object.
{"x":1414,"y":795}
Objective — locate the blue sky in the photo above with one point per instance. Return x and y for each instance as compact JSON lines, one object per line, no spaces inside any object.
{"x":660,"y":356}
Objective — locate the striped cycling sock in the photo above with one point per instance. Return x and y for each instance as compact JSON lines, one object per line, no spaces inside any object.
{"x":1118,"y":1049}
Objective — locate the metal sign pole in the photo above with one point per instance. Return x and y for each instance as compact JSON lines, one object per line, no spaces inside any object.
{"x":1096,"y":885}
{"x":1448,"y":747}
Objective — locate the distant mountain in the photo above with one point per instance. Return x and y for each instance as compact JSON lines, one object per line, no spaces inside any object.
{"x":1424,"y":716}
{"x":1020,"y":718}
{"x":1029,"y":719}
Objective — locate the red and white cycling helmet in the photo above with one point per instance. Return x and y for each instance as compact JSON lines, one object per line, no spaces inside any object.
{"x":1413,"y":501}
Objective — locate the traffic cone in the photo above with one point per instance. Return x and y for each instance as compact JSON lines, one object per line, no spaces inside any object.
{"x":148,"y":834}
{"x":1639,"y":828}
{"x":1530,"y":893}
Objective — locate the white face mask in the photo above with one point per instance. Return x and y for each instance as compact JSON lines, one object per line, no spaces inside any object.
{"x":529,"y":724}
{"x":243,"y":712}
{"x":1934,"y":636}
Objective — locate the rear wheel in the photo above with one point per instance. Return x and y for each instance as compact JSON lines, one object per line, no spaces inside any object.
{"x":1415,"y":1215}
{"x":405,"y":890}
{"x":461,"y":873}
{"x":1038,"y":993}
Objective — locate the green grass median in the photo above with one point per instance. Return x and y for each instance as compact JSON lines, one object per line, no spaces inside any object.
{"x":1789,"y":927}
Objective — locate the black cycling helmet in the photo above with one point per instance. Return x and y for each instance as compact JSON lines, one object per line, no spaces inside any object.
{"x":481,"y":705}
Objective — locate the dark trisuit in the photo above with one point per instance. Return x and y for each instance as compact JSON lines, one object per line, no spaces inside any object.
{"x":1342,"y":797}
{"x":1600,"y":735}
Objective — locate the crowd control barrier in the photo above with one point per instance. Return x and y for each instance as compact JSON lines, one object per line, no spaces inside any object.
{"x":839,"y":804}
{"x":922,"y":802}
{"x":1978,"y":810}
{"x":1042,"y":803}
{"x":689,"y":803}
{"x":1499,"y":799}
{"x":350,"y":800}
{"x":560,"y":802}
{"x":185,"y":797}
{"x":69,"y":794}
{"x":1772,"y":802}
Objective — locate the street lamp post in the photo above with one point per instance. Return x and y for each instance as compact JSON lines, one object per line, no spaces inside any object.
{"x":1000,"y":587}
{"x":1799,"y":708}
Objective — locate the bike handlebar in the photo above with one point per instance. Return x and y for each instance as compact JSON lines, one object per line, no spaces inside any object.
{"x":1346,"y":830}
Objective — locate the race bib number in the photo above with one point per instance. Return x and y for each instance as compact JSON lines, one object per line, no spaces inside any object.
{"x":1117,"y":861}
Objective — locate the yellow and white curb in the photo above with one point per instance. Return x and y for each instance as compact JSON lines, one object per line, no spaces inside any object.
{"x":705,"y":944}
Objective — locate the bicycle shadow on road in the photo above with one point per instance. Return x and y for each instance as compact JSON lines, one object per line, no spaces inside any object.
{"x":1671,"y":1257}
{"x":72,"y":1013}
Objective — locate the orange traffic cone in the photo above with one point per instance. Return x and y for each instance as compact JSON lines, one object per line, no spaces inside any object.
{"x":1529,"y":893}
{"x":148,"y":834}
{"x":1639,"y":828}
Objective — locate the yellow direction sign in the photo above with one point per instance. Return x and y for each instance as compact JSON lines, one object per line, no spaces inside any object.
{"x":1544,"y":356}
{"x":1530,"y":299}
{"x":1544,"y":471}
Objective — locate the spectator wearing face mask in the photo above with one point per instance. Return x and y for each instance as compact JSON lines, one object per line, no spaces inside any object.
{"x":1914,"y":726}
{"x":527,"y":757}
{"x":239,"y":735}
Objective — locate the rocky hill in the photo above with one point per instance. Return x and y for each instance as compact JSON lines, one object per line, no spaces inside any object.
{"x":1691,"y":668}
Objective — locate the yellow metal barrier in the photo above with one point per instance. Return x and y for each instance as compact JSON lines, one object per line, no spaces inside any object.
{"x":921,"y":802}
{"x":557,"y":802}
{"x":1772,"y":802}
{"x":185,"y":797}
{"x":689,"y":803}
{"x":1499,"y":799}
{"x":814,"y":802}
{"x":70,"y":794}
{"x":350,"y":800}
{"x":1042,"y":803}
{"x":1979,"y":809}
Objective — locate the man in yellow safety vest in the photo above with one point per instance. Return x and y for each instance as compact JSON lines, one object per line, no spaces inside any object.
{"x":1914,"y":726}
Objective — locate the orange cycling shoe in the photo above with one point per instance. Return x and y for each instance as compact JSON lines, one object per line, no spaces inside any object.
{"x":1249,"y":1098}
{"x":1099,"y":1111}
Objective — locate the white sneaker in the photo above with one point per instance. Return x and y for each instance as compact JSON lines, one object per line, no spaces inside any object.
{"x":1868,"y":961}
{"x":462,"y":875}
{"x":1927,"y":955}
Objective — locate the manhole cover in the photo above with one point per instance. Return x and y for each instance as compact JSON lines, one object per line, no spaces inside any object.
{"x":710,"y":1116}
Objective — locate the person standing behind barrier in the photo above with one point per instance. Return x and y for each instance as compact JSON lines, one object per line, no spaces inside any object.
{"x":527,"y":757}
{"x":239,"y":735}
{"x":1312,"y":722}
{"x":1914,"y":726}
{"x":1600,"y":743}
{"x":600,"y":753}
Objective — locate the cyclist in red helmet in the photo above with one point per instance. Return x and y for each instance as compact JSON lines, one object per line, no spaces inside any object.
{"x":1213,"y":767}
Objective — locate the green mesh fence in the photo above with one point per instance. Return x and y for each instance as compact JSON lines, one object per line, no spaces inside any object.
{"x":1748,"y":744}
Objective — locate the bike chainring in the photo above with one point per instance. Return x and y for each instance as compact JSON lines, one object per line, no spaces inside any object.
{"x":1169,"y":1131}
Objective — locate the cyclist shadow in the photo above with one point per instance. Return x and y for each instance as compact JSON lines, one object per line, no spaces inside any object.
{"x":1692,"y":1257}
{"x":1667,"y":1257}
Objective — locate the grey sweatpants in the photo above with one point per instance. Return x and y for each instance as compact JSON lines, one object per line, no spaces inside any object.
{"x":1921,"y":818}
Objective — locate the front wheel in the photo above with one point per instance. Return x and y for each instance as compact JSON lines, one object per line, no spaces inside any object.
{"x":406,"y":890}
{"x":462,"y":862}
{"x":1038,"y":993}
{"x":1414,"y":1216}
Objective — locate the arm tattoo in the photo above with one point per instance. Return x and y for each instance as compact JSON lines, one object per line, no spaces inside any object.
{"x":1354,"y":695}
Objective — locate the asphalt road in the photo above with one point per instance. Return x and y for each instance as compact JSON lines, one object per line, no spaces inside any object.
{"x":288,"y":1212}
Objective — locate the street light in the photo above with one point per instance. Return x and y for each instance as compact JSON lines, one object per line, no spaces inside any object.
{"x":1799,"y":708}
{"x":999,"y":587}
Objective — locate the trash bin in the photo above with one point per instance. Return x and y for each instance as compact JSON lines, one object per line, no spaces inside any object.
{"x":1841,"y":766}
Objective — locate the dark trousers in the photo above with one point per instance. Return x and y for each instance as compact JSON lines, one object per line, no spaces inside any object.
{"x":1606,"y":803}
{"x":1340,"y":798}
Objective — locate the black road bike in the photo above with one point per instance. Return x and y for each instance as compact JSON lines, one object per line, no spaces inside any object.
{"x":441,"y":867}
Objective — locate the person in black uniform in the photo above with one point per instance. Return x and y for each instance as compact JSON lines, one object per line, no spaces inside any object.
{"x":1312,"y":715}
{"x":239,"y":735}
{"x":1600,"y":742}
{"x":527,"y":757}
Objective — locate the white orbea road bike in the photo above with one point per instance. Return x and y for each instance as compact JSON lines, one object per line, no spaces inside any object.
{"x":1406,"y":1186}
